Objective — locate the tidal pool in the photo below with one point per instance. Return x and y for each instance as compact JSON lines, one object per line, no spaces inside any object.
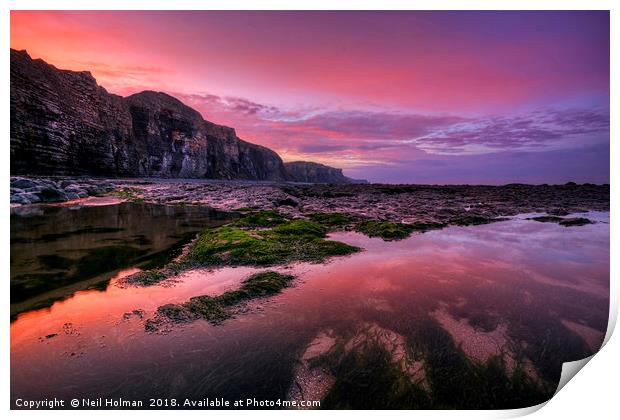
{"x":59,"y":249}
{"x":464,"y":317}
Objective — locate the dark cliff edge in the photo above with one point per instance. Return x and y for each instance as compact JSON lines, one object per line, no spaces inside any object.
{"x":64,"y":123}
{"x":316,"y":173}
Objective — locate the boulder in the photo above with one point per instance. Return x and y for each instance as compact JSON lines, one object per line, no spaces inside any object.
{"x":52,"y":195}
{"x":23,"y":183}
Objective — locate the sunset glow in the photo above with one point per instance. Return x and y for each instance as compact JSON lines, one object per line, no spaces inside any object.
{"x":422,"y":97}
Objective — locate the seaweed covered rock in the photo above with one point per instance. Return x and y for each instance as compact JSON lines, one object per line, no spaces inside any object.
{"x":566,"y":222}
{"x":388,"y":231}
{"x":216,"y":309}
{"x":341,"y":370}
{"x":287,"y":241}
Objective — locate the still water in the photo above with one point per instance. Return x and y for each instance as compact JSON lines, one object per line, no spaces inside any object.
{"x":481,"y":313}
{"x":57,"y":250}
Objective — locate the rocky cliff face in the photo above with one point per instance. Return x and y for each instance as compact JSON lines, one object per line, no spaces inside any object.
{"x":316,"y":173}
{"x":173,"y":140}
{"x":63,"y":123}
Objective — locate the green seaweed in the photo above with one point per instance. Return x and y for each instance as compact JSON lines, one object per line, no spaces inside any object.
{"x":298,"y":228}
{"x":130,"y":194}
{"x":147,"y":277}
{"x":371,"y":380}
{"x":426,"y":226}
{"x":262,"y":284}
{"x":216,"y":309}
{"x":265,"y":219}
{"x":243,"y":210}
{"x":332,"y":220}
{"x":207,"y":308}
{"x":297,"y":240}
{"x":393,"y":231}
{"x":459,"y":382}
{"x":368,"y":377}
{"x":388,"y":231}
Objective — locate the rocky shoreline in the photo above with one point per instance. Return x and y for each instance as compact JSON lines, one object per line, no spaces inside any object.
{"x":55,"y":190}
{"x":409,"y":204}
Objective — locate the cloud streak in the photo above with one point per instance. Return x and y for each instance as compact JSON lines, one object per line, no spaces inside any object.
{"x":393,"y":136}
{"x":540,"y":130}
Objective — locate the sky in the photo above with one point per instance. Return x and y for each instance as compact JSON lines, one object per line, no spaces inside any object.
{"x":412,"y":97}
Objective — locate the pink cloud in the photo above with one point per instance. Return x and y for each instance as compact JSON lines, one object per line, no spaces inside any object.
{"x":353,"y":138}
{"x":455,"y":62}
{"x":355,"y":89}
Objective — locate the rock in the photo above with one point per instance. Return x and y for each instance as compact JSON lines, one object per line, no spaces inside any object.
{"x":558,"y":212}
{"x":287,"y":202}
{"x":23,"y":183}
{"x":19,"y":198}
{"x":187,"y":146}
{"x":315,"y":173}
{"x":34,"y":198}
{"x":64,"y":123}
{"x":576,"y":221}
{"x":566,"y":222}
{"x":313,"y":382}
{"x":95,"y":190}
{"x":50,"y":190}
{"x":313,"y":375}
{"x":66,"y":183}
{"x":52,"y":195}
{"x":24,"y":198}
{"x":48,"y":183}
{"x":546,"y":219}
{"x":75,"y":190}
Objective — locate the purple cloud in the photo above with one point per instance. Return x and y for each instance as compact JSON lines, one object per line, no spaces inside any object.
{"x":540,"y":129}
{"x":589,"y":164}
{"x":359,"y":140}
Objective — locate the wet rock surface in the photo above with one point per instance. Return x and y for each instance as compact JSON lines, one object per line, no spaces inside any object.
{"x":54,"y":190}
{"x":420,"y":207}
{"x":318,"y":369}
{"x":337,"y":368}
{"x":409,"y":204}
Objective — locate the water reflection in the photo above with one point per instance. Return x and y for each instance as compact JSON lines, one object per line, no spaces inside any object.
{"x":472,"y":307}
{"x":56,"y":250}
